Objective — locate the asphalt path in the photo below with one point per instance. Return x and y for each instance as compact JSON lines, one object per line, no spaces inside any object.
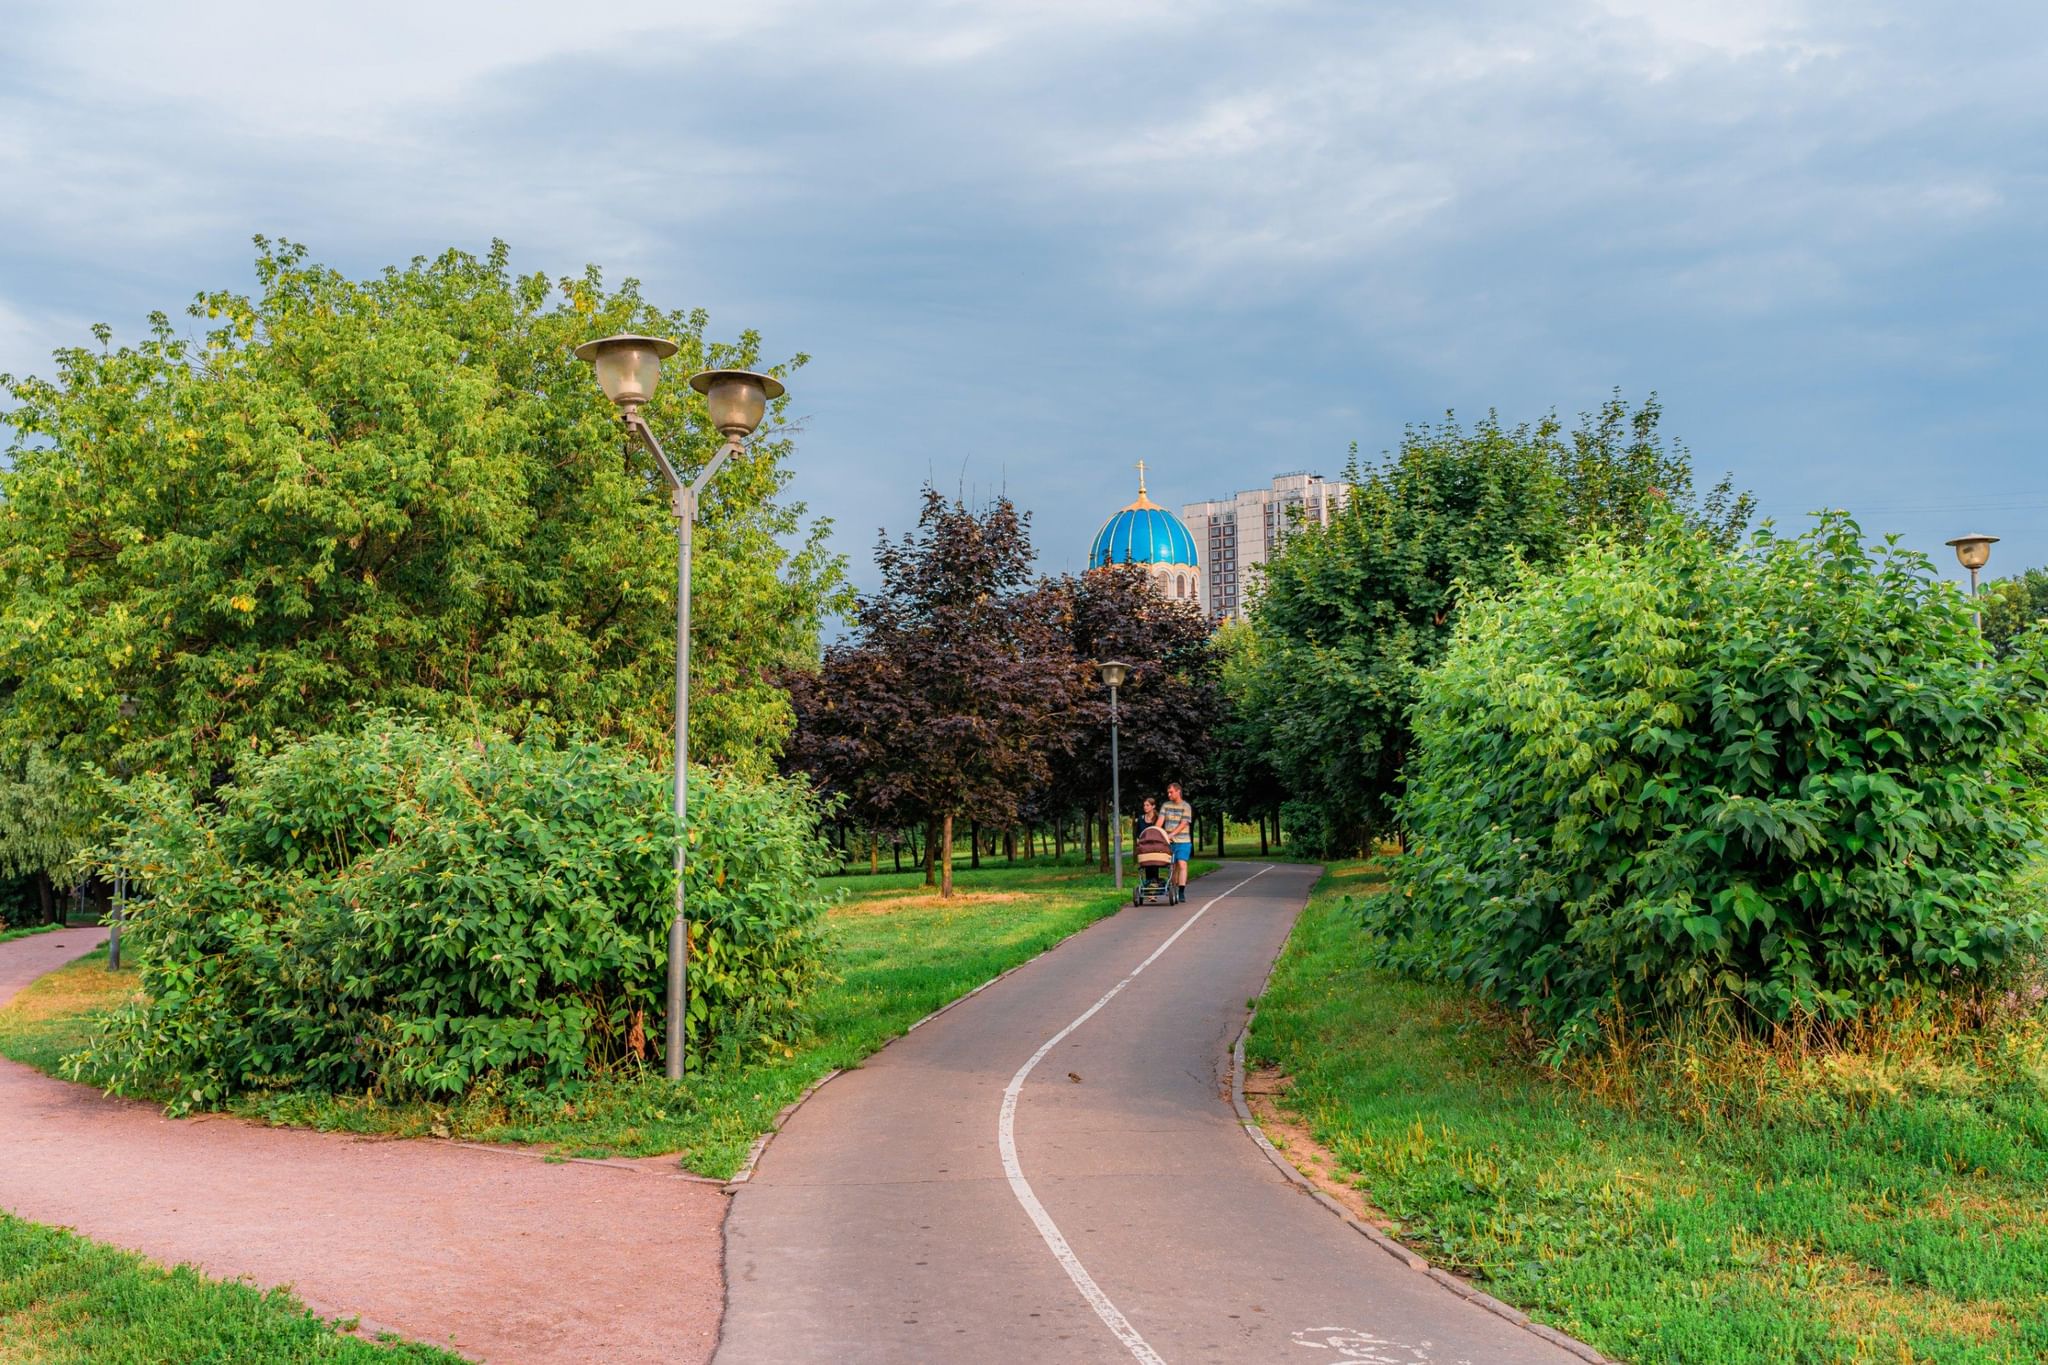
{"x":1051,"y":1171}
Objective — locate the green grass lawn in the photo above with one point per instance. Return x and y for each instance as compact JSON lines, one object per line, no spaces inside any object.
{"x":897,"y":952}
{"x":67,"y":1301}
{"x":55,"y":1015}
{"x":1894,"y":1209}
{"x":9,"y":935}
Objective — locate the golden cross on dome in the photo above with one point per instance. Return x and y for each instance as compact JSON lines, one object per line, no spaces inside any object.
{"x":1141,"y":478}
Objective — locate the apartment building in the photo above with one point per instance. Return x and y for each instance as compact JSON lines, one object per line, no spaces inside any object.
{"x":1234,"y":535}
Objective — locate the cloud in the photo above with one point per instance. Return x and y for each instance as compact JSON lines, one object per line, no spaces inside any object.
{"x":28,"y":336}
{"x":1811,"y":224}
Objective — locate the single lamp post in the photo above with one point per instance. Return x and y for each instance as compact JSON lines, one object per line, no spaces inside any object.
{"x":120,"y":913}
{"x":1973,"y":553}
{"x":127,"y":710}
{"x":1113,"y":673}
{"x":628,"y":368}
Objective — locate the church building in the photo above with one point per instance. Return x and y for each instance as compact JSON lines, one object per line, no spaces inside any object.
{"x":1146,"y":533}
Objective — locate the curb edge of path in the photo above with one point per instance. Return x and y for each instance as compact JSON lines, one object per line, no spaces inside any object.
{"x":1400,"y":1252}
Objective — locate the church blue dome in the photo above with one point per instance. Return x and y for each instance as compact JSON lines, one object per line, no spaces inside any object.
{"x":1142,"y":533}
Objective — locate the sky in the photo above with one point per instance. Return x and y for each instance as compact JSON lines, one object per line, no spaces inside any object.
{"x":1029,"y":242}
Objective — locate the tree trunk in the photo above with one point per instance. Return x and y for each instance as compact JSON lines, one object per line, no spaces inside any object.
{"x":1009,"y":845}
{"x":1103,"y":812}
{"x":1262,"y":834}
{"x":973,"y":843}
{"x":47,"y":897}
{"x":946,"y":876}
{"x":896,"y":850}
{"x":1278,"y":837}
{"x":1059,"y":839}
{"x":1087,"y":840}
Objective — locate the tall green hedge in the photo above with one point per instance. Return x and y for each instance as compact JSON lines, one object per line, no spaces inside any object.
{"x":1673,"y":776}
{"x":406,"y":911}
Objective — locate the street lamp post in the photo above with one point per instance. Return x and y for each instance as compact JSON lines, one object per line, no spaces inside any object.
{"x":628,"y":368}
{"x":1113,"y":673}
{"x":120,"y":913}
{"x":127,"y":710}
{"x":1973,"y":553}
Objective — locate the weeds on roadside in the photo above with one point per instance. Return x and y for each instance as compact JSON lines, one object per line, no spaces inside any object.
{"x":1980,"y":1047}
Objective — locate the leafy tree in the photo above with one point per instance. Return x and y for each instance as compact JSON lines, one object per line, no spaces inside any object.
{"x":1169,"y":703}
{"x":2012,"y":606}
{"x":42,"y":832}
{"x":1349,"y":615}
{"x":1240,"y":765}
{"x":953,"y":692}
{"x":1672,"y":777}
{"x":401,"y":491}
{"x":849,"y":711}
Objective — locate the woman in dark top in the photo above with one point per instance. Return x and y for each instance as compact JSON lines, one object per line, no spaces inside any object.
{"x":1149,"y":816}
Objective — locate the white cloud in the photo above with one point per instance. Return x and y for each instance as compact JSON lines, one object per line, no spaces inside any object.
{"x":28,"y":335}
{"x":318,"y":68}
{"x":1683,"y":30}
{"x":1482,"y":198}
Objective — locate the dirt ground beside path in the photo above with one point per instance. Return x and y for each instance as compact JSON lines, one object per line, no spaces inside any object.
{"x":498,"y":1255}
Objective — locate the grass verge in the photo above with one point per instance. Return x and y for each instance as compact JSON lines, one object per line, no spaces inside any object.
{"x":9,"y":935}
{"x":67,"y":1301}
{"x":1852,"y":1208}
{"x":55,"y":1015}
{"x":897,"y":953}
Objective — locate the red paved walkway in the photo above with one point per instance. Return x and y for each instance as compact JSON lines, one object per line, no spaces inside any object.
{"x":500,"y":1256}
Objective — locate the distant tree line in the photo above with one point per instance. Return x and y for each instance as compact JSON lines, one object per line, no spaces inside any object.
{"x":967,"y":701}
{"x":1350,"y":616}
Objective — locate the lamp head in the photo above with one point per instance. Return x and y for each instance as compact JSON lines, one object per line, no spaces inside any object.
{"x":1113,"y":672}
{"x":1973,"y":552}
{"x":628,"y":367}
{"x":736,"y":399}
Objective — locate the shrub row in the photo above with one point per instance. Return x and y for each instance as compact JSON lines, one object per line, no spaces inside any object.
{"x":404,"y":911}
{"x":1785,"y":779}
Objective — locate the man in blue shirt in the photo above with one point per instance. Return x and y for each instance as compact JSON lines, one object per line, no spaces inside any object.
{"x":1178,"y":819}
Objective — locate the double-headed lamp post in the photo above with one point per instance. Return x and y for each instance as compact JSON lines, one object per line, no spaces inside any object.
{"x":1973,"y":553}
{"x":1113,"y":673}
{"x":628,"y":368}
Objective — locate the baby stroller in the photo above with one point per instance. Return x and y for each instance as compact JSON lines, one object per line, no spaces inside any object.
{"x":1155,"y":866}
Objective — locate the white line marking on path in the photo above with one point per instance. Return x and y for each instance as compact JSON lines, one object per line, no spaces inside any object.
{"x":1006,"y":1139}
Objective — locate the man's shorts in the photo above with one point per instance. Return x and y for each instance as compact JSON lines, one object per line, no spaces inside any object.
{"x":1183,"y":849}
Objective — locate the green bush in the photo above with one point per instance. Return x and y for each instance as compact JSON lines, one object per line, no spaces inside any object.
{"x":1676,"y":778}
{"x":407,"y":912}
